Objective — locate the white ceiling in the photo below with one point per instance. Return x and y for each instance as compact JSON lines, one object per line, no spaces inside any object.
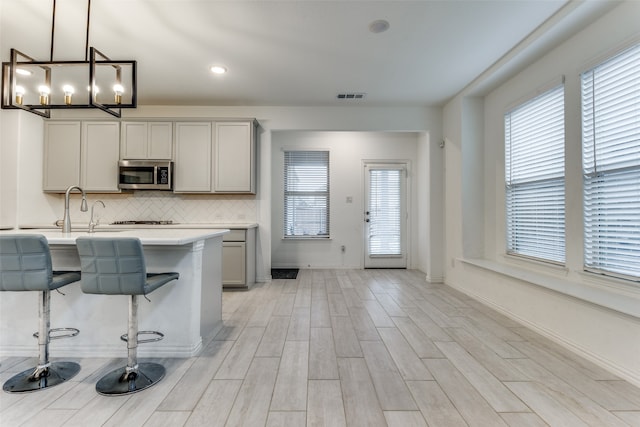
{"x":283,"y":52}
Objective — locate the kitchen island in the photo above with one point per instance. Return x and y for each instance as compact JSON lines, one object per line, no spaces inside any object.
{"x":185,"y":311}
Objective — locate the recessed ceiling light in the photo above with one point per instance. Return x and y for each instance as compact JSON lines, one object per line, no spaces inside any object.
{"x":218,"y":69}
{"x":379,"y":26}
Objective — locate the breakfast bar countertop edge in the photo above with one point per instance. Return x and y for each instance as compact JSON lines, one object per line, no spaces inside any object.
{"x":156,"y":236}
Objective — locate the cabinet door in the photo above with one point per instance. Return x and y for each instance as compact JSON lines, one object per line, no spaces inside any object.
{"x":192,"y":171}
{"x":160,"y":141}
{"x":100,"y":152}
{"x":134,"y":140}
{"x":234,"y":154}
{"x":233,"y":263}
{"x":61,"y":166}
{"x":147,"y":140}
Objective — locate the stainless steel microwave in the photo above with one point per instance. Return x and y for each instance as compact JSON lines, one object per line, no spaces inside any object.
{"x":145,"y":175}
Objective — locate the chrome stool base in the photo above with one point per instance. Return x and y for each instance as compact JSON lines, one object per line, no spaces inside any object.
{"x":116,"y":382}
{"x":57,"y":373}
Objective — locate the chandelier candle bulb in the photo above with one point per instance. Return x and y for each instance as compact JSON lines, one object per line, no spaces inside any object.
{"x":19,"y":94}
{"x":118,"y":89}
{"x":44,"y":94}
{"x":68,"y":93}
{"x":96,"y":91}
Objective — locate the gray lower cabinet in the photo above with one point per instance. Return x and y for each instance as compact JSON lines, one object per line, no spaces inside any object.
{"x":239,"y":259}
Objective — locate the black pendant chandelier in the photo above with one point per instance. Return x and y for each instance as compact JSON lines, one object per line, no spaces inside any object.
{"x":97,"y":82}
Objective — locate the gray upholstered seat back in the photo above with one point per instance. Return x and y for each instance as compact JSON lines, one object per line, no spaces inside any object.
{"x":112,"y":266}
{"x":25,"y":263}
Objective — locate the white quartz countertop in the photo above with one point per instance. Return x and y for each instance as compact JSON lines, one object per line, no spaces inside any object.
{"x":197,"y":225}
{"x":148,"y":236}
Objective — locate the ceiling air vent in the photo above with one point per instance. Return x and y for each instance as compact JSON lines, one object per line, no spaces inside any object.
{"x":352,"y":95}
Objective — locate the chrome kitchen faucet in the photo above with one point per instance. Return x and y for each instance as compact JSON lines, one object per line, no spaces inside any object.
{"x":92,"y":224}
{"x":66,"y":226}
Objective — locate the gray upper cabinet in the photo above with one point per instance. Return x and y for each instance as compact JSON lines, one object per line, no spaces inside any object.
{"x":146,"y":140}
{"x":61,"y":166}
{"x":215,"y":157}
{"x":81,"y":153}
{"x":234,"y":170}
{"x":99,"y":152}
{"x":192,"y":172}
{"x":210,"y":156}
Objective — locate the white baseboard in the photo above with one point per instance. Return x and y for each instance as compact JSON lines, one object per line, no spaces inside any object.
{"x":632,"y":377}
{"x":322,"y":267}
{"x":434,"y":279}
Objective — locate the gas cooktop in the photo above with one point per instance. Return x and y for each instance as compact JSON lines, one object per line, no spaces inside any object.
{"x":161,"y":222}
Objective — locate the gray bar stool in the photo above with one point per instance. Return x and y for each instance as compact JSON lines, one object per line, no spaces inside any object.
{"x":116,"y":266}
{"x":25,"y":265}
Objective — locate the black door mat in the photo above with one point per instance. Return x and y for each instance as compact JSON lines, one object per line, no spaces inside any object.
{"x":284,"y":273}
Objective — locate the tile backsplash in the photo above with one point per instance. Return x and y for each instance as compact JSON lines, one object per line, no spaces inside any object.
{"x":160,"y":205}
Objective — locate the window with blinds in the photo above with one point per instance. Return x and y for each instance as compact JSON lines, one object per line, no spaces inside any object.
{"x":306,"y":194}
{"x":535,"y":191}
{"x":611,"y":165}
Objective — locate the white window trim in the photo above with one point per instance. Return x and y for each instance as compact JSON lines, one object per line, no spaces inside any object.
{"x":589,"y":270}
{"x":608,"y":54}
{"x":291,"y":238}
{"x":541,"y":90}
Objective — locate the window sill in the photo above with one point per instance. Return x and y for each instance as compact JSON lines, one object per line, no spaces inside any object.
{"x":550,"y":267}
{"x":306,"y":238}
{"x":614,"y":294}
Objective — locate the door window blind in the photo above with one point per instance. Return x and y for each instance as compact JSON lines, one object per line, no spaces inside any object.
{"x":306,"y":194}
{"x":385,"y":210}
{"x":535,"y":191}
{"x":611,"y":165}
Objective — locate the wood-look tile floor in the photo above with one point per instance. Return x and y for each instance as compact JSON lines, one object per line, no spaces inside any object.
{"x":349,"y":348}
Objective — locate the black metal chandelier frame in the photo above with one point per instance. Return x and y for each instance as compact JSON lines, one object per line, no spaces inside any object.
{"x":94,"y":60}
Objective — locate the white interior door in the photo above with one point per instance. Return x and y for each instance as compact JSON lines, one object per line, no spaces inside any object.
{"x":385,"y":216}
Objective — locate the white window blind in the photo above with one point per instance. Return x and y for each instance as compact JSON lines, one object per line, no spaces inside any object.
{"x":611,"y":165}
{"x":306,"y":194}
{"x":385,"y":204}
{"x":534,"y":162}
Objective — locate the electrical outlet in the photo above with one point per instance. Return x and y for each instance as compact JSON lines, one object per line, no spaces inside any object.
{"x":343,"y":248}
